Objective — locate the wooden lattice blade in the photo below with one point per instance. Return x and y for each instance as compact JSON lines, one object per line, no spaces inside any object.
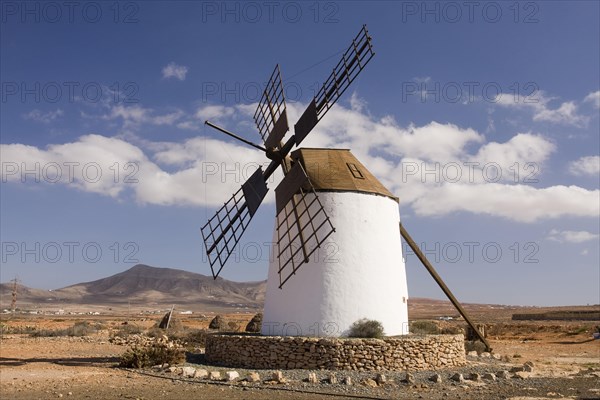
{"x":224,"y":230}
{"x":353,"y":61}
{"x":302,"y":223}
{"x":271,"y":116}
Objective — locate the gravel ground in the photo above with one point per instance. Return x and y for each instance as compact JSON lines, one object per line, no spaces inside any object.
{"x":584,"y":385}
{"x":82,"y":368}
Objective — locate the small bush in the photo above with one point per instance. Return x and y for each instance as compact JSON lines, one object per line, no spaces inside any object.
{"x":452,"y":330}
{"x":424,"y":328}
{"x":578,"y":331}
{"x":218,"y":323}
{"x":366,"y":328}
{"x":475,"y":345}
{"x":162,"y":351}
{"x":27,"y":329}
{"x":195,"y":337}
{"x":79,"y":329}
{"x":255,"y":324}
{"x":127,"y":329}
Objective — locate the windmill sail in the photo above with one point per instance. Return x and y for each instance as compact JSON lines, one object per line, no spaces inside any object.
{"x":270,"y":116}
{"x":353,"y":61}
{"x":302,"y":223}
{"x":224,"y":230}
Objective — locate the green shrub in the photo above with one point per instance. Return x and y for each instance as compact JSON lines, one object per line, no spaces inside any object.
{"x":162,"y":351}
{"x":366,"y":328}
{"x":424,"y":328}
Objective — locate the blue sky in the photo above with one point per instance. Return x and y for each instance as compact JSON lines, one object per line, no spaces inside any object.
{"x":106,"y":161}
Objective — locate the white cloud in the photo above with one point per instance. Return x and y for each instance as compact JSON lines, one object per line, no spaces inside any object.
{"x":589,"y":165}
{"x":214,"y":112}
{"x":538,"y":103}
{"x":515,"y":202}
{"x":572,"y":236}
{"x":167,"y":119}
{"x":209,"y":170}
{"x":594,"y":98}
{"x":134,"y":116}
{"x":189,"y":125}
{"x":173,"y":70}
{"x":203,"y":171}
{"x":84,"y":164}
{"x":46,"y":118}
{"x":523,"y":154}
{"x":565,"y":114}
{"x":425,"y":79}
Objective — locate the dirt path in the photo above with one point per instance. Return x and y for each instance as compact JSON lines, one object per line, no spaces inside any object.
{"x":84,"y":368}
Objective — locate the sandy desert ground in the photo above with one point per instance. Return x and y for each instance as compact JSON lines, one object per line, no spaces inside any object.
{"x":565,"y":357}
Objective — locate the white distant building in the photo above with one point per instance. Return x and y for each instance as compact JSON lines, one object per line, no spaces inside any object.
{"x":358,"y":272}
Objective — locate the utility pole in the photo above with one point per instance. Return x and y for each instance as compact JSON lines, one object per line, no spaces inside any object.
{"x":13,"y":303}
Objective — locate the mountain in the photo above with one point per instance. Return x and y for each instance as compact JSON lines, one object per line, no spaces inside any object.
{"x":143,"y":285}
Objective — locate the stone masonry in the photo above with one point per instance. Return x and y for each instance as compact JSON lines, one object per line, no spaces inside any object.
{"x":288,"y":352}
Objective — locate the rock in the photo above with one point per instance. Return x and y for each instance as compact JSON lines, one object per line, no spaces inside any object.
{"x":521,"y":375}
{"x":380,"y":379}
{"x":485,"y":354}
{"x":528,"y":366}
{"x":369,"y":383}
{"x":231,"y":376}
{"x":171,"y":370}
{"x":332,"y":379}
{"x":188,"y":372}
{"x":436,"y":378}
{"x":497,"y":356}
{"x":253,"y":377}
{"x":312,"y":378}
{"x":278,"y":377}
{"x":472,"y":354}
{"x":517,"y":369}
{"x":410,"y":379}
{"x":489,"y":376}
{"x":200,"y":373}
{"x":475,"y":377}
{"x":458,"y":378}
{"x":347,"y":380}
{"x":214,"y":375}
{"x":503,"y":375}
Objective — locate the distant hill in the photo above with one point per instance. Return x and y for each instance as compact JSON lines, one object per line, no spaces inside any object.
{"x":150,"y":288}
{"x":146,"y":285}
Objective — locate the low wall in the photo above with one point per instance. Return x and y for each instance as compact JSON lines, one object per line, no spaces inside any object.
{"x":288,"y":352}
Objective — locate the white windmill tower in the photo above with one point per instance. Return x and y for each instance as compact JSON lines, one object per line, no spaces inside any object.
{"x":358,"y":271}
{"x":338,"y":249}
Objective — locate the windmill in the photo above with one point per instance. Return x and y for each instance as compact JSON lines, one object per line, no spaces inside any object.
{"x":334,"y":219}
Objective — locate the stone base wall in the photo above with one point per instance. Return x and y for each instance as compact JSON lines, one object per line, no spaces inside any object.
{"x":276,"y":352}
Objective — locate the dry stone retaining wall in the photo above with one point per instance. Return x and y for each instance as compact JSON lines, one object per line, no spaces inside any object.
{"x":277,"y":352}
